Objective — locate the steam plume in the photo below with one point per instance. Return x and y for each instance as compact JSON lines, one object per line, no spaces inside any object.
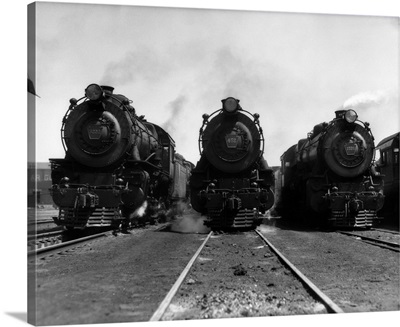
{"x":139,"y":212}
{"x":189,"y":221}
{"x":177,"y":107}
{"x":365,"y":100}
{"x":140,"y":65}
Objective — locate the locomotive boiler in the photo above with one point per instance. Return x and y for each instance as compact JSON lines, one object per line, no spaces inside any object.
{"x":330,"y":176}
{"x":116,"y":166}
{"x":231,"y":183}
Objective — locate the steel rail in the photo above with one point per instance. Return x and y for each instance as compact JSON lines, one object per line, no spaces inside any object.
{"x":168,"y":298}
{"x":42,"y":221}
{"x":39,"y":223}
{"x":386,"y":231}
{"x":45,"y":234}
{"x":374,"y":241}
{"x":329,"y":304}
{"x":42,"y":226}
{"x":65,"y":244}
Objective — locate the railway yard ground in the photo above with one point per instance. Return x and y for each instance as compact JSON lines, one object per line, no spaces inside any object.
{"x":125,"y":277}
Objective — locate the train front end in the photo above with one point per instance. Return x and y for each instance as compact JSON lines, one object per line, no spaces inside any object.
{"x":90,"y":185}
{"x":231,"y":183}
{"x":349,"y":186}
{"x":356,"y":195}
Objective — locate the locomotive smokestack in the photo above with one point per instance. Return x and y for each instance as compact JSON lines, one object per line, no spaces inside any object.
{"x":108,"y":90}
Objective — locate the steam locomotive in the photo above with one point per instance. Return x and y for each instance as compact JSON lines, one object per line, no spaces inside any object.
{"x":231,"y":183}
{"x":330,"y":177}
{"x":118,"y":167}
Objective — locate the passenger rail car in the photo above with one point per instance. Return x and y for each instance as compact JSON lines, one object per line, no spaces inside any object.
{"x":232,"y":182}
{"x":388,"y":165}
{"x":330,"y":177}
{"x":116,"y":163}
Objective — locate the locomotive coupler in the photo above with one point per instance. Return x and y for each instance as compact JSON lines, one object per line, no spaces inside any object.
{"x":354,"y":206}
{"x":233,"y":203}
{"x":86,"y":201}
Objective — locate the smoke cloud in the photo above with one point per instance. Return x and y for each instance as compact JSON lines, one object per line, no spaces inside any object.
{"x":366,"y":100}
{"x":176,"y":107}
{"x":189,"y":222}
{"x":139,"y":212}
{"x":139,"y":65}
{"x":380,"y":108}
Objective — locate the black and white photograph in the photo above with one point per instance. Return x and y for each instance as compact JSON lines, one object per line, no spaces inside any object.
{"x":204,"y":164}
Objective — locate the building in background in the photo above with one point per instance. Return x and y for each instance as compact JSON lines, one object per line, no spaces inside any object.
{"x":39,"y":183}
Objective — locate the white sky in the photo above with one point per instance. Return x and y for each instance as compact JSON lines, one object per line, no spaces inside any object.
{"x":294,"y":69}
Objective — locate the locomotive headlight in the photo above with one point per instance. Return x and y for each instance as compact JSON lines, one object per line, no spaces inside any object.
{"x":94,"y":92}
{"x":350,"y":116}
{"x":230,"y":105}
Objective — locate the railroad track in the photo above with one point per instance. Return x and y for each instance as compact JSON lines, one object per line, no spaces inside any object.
{"x":386,"y":231}
{"x":229,"y":273}
{"x":330,"y":306}
{"x":44,"y":239}
{"x":374,"y":241}
{"x":45,"y":221}
{"x":167,"y":300}
{"x":42,"y":225}
{"x":51,"y":246}
{"x":47,"y":241}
